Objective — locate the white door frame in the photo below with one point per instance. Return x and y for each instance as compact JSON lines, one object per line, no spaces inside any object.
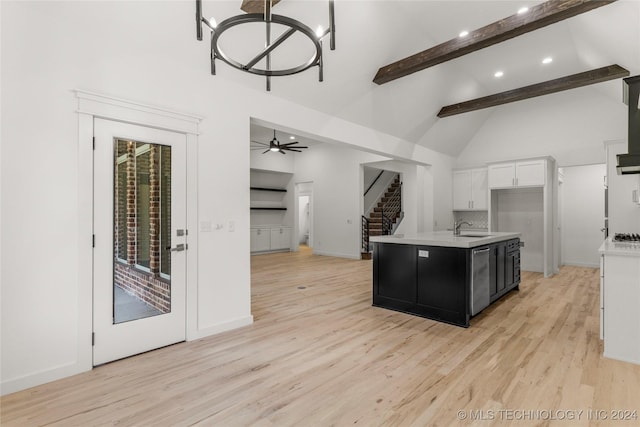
{"x":92,"y":105}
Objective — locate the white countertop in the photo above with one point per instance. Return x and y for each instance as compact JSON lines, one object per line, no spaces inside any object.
{"x":447,"y":239}
{"x":620,"y":248}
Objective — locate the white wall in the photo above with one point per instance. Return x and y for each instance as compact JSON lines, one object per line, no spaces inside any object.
{"x":569,"y":126}
{"x":337,"y":188}
{"x":50,"y":48}
{"x":582,"y":214}
{"x":624,"y":214}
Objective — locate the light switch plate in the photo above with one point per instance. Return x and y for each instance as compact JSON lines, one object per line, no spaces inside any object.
{"x":205,"y":226}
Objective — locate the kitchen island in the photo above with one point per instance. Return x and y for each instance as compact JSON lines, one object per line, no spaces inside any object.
{"x":442,"y":276}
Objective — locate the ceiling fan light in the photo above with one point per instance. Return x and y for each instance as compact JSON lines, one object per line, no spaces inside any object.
{"x":274,"y":149}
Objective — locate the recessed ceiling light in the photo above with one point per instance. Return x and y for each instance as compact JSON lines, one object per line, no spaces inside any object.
{"x":523,"y":10}
{"x":498,"y":74}
{"x":292,"y":137}
{"x":464,"y":33}
{"x":547,"y":60}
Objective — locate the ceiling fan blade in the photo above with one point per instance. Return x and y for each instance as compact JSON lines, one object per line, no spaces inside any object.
{"x":292,"y":149}
{"x":256,"y":148}
{"x":261,"y":143}
{"x":282,"y":152}
{"x":291,"y":143}
{"x":266,"y":151}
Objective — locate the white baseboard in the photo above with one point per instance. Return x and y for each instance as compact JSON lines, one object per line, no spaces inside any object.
{"x":42,"y":377}
{"x":336,"y":254}
{"x":581,"y":264}
{"x":622,"y":359}
{"x":220,"y":327}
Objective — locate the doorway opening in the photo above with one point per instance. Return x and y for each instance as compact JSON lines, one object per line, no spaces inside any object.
{"x":303,"y":221}
{"x":304,"y":216}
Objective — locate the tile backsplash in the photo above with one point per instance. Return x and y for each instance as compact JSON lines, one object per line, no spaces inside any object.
{"x":479,"y":219}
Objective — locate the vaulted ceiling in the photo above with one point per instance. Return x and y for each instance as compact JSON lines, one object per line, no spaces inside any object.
{"x":371,"y":34}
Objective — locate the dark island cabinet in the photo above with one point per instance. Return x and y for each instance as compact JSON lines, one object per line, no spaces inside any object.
{"x":427,"y":281}
{"x":396,"y":276}
{"x":504,"y":268}
{"x":442,"y":283}
{"x":435,"y":281}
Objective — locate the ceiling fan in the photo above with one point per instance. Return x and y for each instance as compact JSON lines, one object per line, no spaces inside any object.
{"x":275,"y":146}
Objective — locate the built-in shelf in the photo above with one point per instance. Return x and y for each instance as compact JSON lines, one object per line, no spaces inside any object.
{"x":269,"y":209}
{"x":282,"y":190}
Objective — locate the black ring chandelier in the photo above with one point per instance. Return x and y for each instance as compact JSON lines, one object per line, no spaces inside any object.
{"x":268,"y":18}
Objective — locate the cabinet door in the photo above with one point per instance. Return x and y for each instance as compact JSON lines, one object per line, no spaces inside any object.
{"x":395,"y":272}
{"x":479,"y":189}
{"x":260,"y":239}
{"x":502,"y":175}
{"x":501,"y":254}
{"x":442,"y":280}
{"x":461,"y":190}
{"x":493,"y":270}
{"x":280,"y":238}
{"x":530,"y":173}
{"x":285,"y":238}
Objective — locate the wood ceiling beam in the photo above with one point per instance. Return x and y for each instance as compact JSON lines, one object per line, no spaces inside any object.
{"x":539,"y":16}
{"x":573,"y":81}
{"x":255,"y":6}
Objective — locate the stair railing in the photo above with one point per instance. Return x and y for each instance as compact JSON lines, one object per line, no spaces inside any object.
{"x":391,"y":209}
{"x":365,"y":234}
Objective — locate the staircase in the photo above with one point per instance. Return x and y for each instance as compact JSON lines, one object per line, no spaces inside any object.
{"x":385,"y":217}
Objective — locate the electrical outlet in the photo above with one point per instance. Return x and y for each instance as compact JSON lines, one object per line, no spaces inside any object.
{"x":232,"y":226}
{"x":205,"y":226}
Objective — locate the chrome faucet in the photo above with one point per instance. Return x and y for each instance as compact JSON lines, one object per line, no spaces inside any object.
{"x":457,"y":225}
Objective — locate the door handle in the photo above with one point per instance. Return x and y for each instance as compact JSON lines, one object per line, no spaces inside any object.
{"x":180,"y":247}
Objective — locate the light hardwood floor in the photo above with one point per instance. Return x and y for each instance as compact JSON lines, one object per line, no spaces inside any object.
{"x":319,"y":354}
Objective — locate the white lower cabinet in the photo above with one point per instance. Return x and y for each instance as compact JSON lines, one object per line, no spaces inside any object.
{"x":280,"y":238}
{"x":620,"y":317}
{"x":260,"y":239}
{"x":270,"y":238}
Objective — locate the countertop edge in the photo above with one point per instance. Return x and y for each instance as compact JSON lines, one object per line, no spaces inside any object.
{"x":619,"y":249}
{"x":442,"y":240}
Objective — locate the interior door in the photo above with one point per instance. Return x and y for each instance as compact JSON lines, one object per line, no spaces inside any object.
{"x":139,"y":280}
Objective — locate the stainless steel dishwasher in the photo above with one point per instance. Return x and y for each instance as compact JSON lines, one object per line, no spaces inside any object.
{"x":479,"y":298}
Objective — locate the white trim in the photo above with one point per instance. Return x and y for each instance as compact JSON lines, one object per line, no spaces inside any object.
{"x":113,"y":108}
{"x":90,"y":106}
{"x":336,"y":254}
{"x":220,"y":327}
{"x":581,"y":264}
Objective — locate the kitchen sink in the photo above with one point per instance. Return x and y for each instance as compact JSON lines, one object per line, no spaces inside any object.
{"x":474,"y":235}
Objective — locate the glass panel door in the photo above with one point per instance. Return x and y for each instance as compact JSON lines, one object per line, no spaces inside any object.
{"x":142,"y":230}
{"x":139,"y":272}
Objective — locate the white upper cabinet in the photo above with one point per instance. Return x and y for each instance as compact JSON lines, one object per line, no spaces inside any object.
{"x":479,"y":189}
{"x":470,"y":191}
{"x":525,"y":173}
